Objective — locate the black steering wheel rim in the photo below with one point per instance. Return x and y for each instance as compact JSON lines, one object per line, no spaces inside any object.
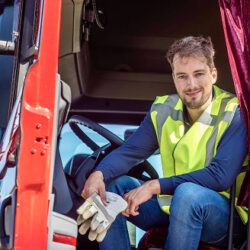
{"x":80,"y":120}
{"x":114,"y":140}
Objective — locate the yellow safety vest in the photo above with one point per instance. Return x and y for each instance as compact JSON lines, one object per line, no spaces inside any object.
{"x":187,"y":151}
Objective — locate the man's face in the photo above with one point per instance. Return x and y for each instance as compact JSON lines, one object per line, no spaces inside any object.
{"x":193,"y":81}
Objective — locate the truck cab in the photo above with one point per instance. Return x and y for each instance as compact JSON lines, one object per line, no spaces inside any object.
{"x":77,"y":77}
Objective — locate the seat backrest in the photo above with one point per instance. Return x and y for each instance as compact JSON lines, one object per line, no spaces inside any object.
{"x":63,"y":201}
{"x":64,"y":103}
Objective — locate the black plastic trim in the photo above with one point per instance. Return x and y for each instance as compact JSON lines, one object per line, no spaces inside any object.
{"x":29,"y":30}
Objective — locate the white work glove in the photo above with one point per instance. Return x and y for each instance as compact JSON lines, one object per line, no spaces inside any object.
{"x":95,"y":216}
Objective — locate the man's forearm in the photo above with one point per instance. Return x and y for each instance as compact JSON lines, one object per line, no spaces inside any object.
{"x":154,"y":186}
{"x":98,"y":174}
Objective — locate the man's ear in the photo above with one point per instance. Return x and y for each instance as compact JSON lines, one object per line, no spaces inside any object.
{"x":214,"y":75}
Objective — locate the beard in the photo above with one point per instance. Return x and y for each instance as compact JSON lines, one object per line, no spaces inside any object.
{"x":196,"y":102}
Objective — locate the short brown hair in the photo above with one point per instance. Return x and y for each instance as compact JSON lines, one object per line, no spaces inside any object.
{"x":192,"y":46}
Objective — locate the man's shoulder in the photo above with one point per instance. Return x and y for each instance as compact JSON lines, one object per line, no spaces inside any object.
{"x":238,"y":114}
{"x":238,"y":120}
{"x":166,"y":98}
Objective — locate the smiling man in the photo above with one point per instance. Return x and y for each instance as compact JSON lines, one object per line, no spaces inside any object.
{"x":202,"y":140}
{"x":193,"y":79}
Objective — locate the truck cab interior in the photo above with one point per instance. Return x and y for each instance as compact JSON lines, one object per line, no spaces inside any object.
{"x":111,"y":67}
{"x":112,"y":54}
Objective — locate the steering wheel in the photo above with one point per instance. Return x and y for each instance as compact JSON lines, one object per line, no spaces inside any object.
{"x":74,"y":123}
{"x":100,"y":152}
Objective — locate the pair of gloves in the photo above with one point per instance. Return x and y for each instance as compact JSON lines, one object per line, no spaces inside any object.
{"x":94,"y":216}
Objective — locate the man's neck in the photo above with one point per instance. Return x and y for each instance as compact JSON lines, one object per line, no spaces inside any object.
{"x":193,"y":114}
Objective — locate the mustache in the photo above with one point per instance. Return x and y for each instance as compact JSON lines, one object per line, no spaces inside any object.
{"x":189,"y":90}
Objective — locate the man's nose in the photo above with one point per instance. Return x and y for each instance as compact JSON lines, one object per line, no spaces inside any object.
{"x":191,"y":81}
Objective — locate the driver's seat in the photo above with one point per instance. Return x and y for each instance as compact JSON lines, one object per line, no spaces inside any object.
{"x":63,"y":201}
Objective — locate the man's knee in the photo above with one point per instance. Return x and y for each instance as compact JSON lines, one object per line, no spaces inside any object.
{"x":188,"y":196}
{"x":122,"y":184}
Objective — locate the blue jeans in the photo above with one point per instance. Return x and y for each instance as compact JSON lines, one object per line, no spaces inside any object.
{"x":197,"y":213}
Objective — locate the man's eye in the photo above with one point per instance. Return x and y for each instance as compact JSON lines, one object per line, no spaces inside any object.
{"x":181,"y":77}
{"x":199,"y":74}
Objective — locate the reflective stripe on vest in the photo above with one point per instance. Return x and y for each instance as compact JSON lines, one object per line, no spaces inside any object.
{"x":186,"y":151}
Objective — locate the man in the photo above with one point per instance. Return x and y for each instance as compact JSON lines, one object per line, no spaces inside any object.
{"x":202,"y":141}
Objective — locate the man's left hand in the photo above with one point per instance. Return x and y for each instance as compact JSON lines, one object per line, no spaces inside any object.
{"x":140,"y":195}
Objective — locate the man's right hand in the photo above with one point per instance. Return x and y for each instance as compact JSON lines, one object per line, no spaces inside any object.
{"x":96,"y":217}
{"x":96,"y":184}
